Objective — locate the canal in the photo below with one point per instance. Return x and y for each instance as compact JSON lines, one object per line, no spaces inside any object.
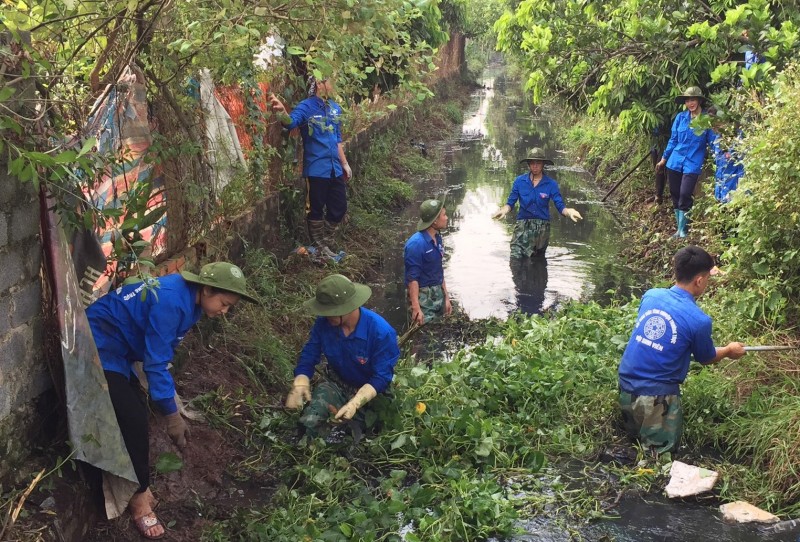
{"x":582,"y":262}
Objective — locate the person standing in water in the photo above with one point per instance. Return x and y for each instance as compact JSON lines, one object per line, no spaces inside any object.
{"x":534,"y":190}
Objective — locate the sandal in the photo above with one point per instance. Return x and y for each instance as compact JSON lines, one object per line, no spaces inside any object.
{"x":147,"y":522}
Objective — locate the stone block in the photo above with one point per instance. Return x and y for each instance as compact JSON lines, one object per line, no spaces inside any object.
{"x":27,"y":304}
{"x":25,"y":222}
{"x":687,"y":480}
{"x":33,"y":262}
{"x":744,"y":512}
{"x":12,"y":270}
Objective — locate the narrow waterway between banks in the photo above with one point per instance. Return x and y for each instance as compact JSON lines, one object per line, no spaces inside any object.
{"x":582,"y":262}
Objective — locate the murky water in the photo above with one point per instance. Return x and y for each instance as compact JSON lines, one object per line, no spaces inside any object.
{"x":581,"y":262}
{"x":482,"y":162}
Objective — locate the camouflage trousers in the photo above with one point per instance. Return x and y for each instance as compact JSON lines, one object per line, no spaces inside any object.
{"x":327,"y":398}
{"x":655,"y":420}
{"x":530,"y":238}
{"x":431,"y":301}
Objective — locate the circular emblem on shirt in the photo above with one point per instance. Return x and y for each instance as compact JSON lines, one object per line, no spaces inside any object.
{"x":655,"y":327}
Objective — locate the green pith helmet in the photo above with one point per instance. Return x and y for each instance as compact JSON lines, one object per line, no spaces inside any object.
{"x":536,"y":153}
{"x":429,"y":212}
{"x":691,"y":92}
{"x":221,"y":275}
{"x":337,"y":295}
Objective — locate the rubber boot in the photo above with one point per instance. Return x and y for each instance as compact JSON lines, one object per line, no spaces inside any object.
{"x":330,"y":235}
{"x":677,"y":225}
{"x":316,"y":232}
{"x":682,"y":224}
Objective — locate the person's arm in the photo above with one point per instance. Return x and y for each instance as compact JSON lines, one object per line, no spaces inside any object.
{"x":563,"y":210}
{"x":311,"y":353}
{"x":673,"y":141}
{"x":348,"y":173}
{"x":161,"y":332}
{"x":412,"y":259}
{"x":448,"y":307}
{"x":510,"y":202}
{"x":413,"y":300}
{"x":732,"y":350}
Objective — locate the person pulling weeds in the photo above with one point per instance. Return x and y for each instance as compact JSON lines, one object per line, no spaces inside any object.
{"x":145,"y":321}
{"x":669,"y":330}
{"x":361,"y":350}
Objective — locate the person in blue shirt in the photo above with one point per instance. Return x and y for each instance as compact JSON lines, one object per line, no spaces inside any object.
{"x":325,"y":165}
{"x":670,"y":329}
{"x":145,"y":321}
{"x":729,"y":170}
{"x":684,"y":156}
{"x":534,"y":191}
{"x":360,"y":348}
{"x":424,"y":273}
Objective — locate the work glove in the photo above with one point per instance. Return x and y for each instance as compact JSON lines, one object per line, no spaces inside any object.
{"x":504,"y":210}
{"x":364,"y":395}
{"x":300,"y":394}
{"x":177,"y":429}
{"x":348,"y":172}
{"x":572,"y":213}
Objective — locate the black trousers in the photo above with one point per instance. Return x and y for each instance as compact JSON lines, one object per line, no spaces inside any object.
{"x":326,"y":199}
{"x":681,"y":188}
{"x":132,"y":416}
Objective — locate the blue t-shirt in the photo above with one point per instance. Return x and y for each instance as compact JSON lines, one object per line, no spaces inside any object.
{"x":686,"y":150}
{"x":669,"y":329}
{"x":534,"y":202}
{"x":127,"y":328}
{"x":319,"y":123}
{"x":423,"y":259}
{"x":366,"y":356}
{"x":729,"y":170}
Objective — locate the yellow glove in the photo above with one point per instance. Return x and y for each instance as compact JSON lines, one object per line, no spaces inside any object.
{"x":572,"y":213}
{"x":177,"y":429}
{"x":300,"y":394}
{"x":504,"y":210}
{"x":364,"y":395}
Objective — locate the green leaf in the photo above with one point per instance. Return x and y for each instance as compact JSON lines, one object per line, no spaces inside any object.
{"x":294,"y":50}
{"x":346,"y":529}
{"x":168,"y":462}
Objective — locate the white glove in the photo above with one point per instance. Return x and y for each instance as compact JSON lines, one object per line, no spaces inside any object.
{"x":572,"y":213}
{"x":504,"y":210}
{"x":348,"y":173}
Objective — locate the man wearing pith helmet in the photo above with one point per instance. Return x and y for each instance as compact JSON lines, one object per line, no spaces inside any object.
{"x":424,"y":273}
{"x":145,"y":321}
{"x":534,"y":190}
{"x":361,"y":350}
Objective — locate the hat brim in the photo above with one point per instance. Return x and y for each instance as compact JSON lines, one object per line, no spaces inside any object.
{"x":361,"y":295}
{"x":681,"y":99}
{"x":188,"y":276}
{"x":422,"y":225}
{"x":543,"y":160}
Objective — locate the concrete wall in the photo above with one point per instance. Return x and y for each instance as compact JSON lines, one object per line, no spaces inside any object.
{"x":23,"y":371}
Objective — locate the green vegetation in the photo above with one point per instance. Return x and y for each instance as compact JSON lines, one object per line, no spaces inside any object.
{"x":628,"y":62}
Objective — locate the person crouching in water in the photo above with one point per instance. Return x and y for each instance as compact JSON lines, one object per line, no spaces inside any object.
{"x":144,"y":322}
{"x":361,"y":350}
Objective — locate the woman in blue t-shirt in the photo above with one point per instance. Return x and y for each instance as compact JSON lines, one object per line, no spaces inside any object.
{"x":684,"y":156}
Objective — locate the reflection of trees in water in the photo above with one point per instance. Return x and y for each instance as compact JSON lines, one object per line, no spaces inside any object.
{"x":612,"y":282}
{"x":530,"y":282}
